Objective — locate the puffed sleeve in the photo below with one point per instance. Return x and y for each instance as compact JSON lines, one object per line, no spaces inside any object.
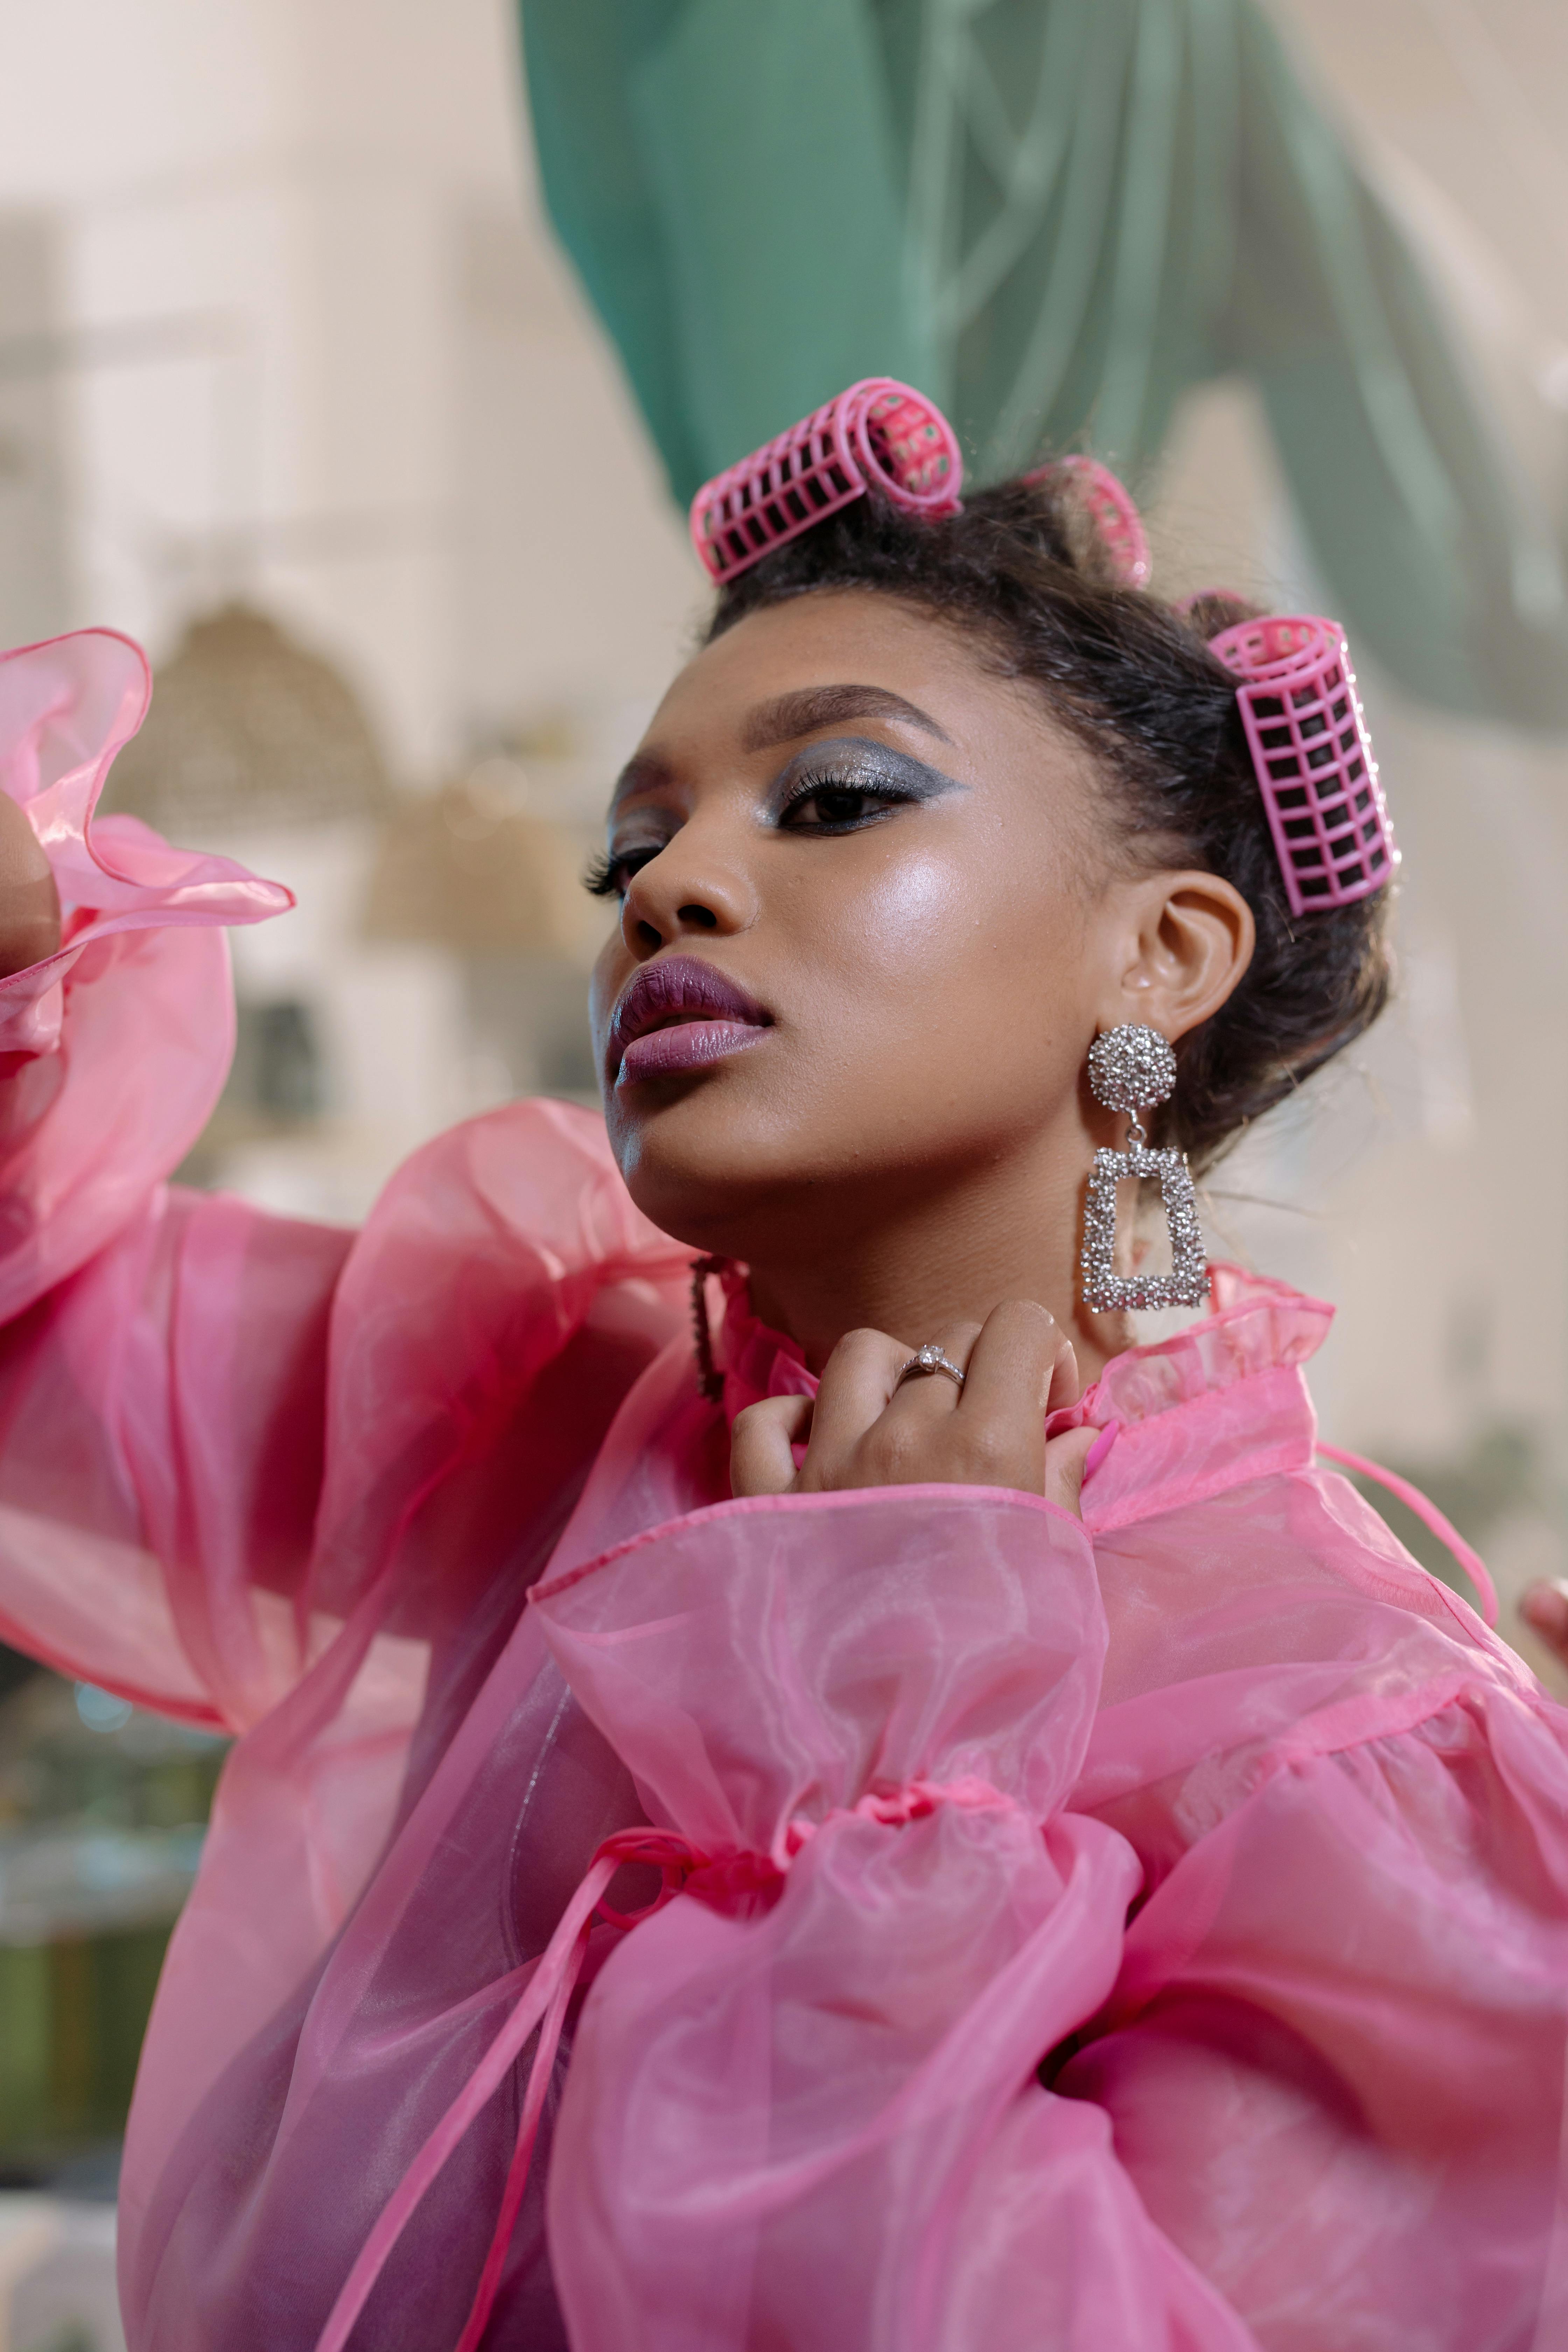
{"x":1333,"y":2064}
{"x":218,"y":1426}
{"x":162,"y":1355}
{"x":811,"y":2114}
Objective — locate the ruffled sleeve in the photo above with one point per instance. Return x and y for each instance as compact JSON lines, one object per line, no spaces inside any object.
{"x":216,"y":1424}
{"x":66,"y":708}
{"x":1335,"y":2061}
{"x":121,"y":1303}
{"x":114,"y":1050}
{"x":812,"y":2115}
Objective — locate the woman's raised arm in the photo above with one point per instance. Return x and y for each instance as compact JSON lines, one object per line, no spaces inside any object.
{"x":162,"y":1354}
{"x":30,"y":901}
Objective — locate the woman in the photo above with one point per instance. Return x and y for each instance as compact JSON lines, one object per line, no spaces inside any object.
{"x":1115,"y":1898}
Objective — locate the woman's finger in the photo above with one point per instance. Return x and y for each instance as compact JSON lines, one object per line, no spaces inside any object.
{"x":1020,"y":1363}
{"x":760,"y":1462}
{"x":1064,"y":1458}
{"x":857,"y":1382}
{"x":1065,"y":1387}
{"x":30,"y":901}
{"x":1001,"y":1421}
{"x":926,"y":1398}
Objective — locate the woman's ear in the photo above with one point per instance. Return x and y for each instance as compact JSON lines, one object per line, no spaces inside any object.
{"x":1187,"y":938}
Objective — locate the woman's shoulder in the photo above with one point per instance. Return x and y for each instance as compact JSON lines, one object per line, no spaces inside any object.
{"x":532,"y":1184}
{"x":1260,"y":1612}
{"x":490,"y":1243}
{"x":1214,"y":1507}
{"x":1277,"y":1627}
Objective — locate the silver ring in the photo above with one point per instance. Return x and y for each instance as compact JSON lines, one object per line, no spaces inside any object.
{"x":930,"y":1359}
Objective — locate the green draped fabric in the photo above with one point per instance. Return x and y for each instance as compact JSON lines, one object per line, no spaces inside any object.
{"x":1055,"y":216}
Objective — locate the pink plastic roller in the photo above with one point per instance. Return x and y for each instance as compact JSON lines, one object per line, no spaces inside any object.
{"x":878,"y":433}
{"x":1314,"y":758}
{"x":1117,"y":518}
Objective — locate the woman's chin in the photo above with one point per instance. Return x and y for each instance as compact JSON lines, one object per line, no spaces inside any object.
{"x":710,"y":1205}
{"x":717,"y":1183}
{"x":705,"y":1127}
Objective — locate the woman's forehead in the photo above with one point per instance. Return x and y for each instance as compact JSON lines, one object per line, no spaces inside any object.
{"x":826,"y":661}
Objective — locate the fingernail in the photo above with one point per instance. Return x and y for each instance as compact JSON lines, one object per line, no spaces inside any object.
{"x":1546,"y":1607}
{"x":1102,"y":1447}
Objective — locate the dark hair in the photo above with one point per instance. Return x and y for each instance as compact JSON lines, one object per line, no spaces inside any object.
{"x":1023,"y":570}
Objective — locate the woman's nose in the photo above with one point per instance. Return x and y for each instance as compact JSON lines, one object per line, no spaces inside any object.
{"x":689,"y":888}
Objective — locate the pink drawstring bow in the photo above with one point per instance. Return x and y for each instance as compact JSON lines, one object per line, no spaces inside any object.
{"x":718,"y":1879}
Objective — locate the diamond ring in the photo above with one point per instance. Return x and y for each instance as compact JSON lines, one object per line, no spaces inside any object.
{"x":930,"y":1359}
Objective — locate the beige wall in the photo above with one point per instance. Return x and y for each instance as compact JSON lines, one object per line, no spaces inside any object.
{"x":314,"y":324}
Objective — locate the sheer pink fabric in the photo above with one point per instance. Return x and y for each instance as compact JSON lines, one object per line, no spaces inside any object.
{"x":1166,"y":1941}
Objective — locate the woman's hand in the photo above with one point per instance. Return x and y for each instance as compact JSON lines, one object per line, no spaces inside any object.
{"x":862,"y":1430}
{"x":30,"y":903}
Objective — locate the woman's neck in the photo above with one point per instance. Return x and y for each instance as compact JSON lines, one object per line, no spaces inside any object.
{"x":934,"y":1260}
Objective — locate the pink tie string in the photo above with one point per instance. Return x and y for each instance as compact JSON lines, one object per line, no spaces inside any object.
{"x":893,"y":1808}
{"x":1430,"y":1516}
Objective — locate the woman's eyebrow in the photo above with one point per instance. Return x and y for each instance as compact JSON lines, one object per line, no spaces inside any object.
{"x":782,"y":720}
{"x":803,"y":712}
{"x":645,"y":772}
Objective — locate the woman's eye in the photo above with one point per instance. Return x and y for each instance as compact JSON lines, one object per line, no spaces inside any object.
{"x":834,"y":807}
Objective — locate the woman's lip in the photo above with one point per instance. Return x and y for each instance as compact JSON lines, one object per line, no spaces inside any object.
{"x":686,"y":1046}
{"x":680,"y":993}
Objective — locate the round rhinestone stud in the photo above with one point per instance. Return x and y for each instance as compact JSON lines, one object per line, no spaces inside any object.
{"x":1130,"y":1067}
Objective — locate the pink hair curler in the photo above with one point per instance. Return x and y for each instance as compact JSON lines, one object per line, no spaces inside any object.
{"x":1314,"y":758}
{"x":1116,"y":518}
{"x":877,"y":434}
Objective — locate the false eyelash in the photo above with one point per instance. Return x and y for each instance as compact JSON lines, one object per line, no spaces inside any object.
{"x":820,"y":780}
{"x":836,"y":777}
{"x":877,"y":793}
{"x":607,"y":877}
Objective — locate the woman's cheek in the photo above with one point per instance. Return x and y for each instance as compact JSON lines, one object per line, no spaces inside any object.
{"x":893,"y":990}
{"x":916,"y":913}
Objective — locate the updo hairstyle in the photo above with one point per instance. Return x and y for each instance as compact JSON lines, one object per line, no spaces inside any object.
{"x":1024,"y":571}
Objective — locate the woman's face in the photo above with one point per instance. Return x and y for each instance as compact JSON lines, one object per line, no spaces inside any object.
{"x":865,"y":940}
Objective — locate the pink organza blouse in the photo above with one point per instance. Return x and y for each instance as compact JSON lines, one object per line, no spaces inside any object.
{"x":1159,"y":1936}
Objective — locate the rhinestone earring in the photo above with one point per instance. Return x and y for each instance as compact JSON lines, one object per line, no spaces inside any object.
{"x":1130,"y":1068}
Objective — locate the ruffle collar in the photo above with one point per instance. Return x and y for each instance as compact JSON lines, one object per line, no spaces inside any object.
{"x":1223,"y":1400}
{"x":1257,"y":1325}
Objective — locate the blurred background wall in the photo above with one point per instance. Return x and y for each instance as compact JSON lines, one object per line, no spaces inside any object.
{"x":294,"y":389}
{"x":297,"y":388}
